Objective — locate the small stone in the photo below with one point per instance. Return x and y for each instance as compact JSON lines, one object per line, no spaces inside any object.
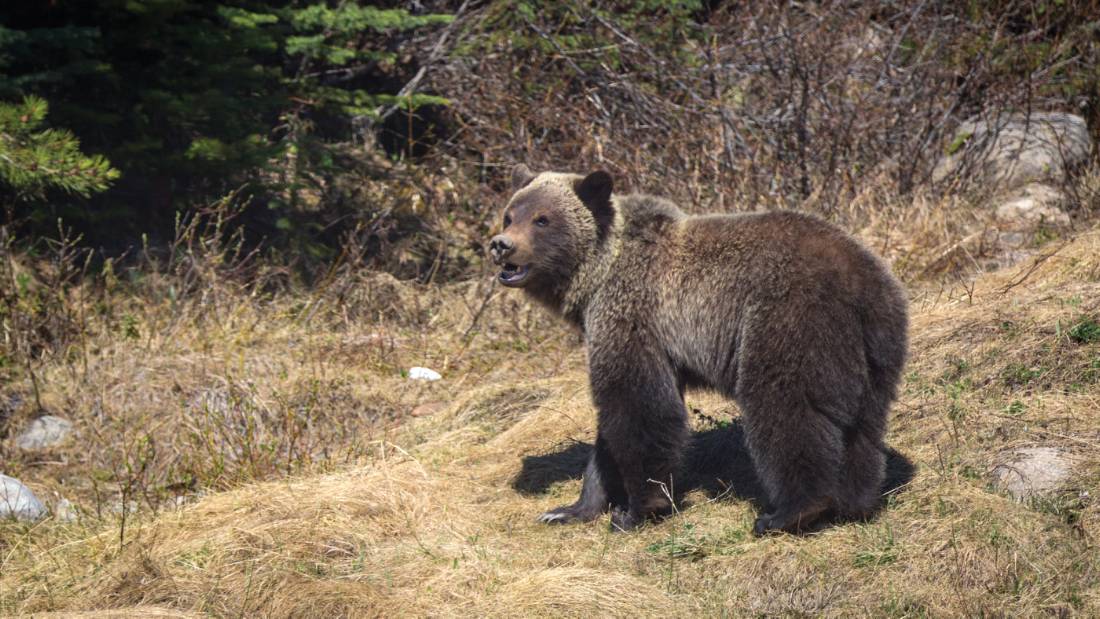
{"x":1006,"y":258}
{"x":1015,"y":239}
{"x":427,"y":409}
{"x":17,"y":501}
{"x":65,"y":511}
{"x":419,"y":373}
{"x":119,"y":508}
{"x":44,"y":432}
{"x":1035,"y":203}
{"x":1032,"y":472}
{"x":210,"y":401}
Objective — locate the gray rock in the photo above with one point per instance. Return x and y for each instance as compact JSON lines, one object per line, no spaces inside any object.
{"x":1015,"y":150}
{"x":18,"y":502}
{"x":46,"y":431}
{"x":1034,"y":203}
{"x":65,"y":511}
{"x":210,"y":401}
{"x":119,"y":508}
{"x":1032,"y":471}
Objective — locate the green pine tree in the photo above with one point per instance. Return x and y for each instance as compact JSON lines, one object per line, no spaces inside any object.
{"x":191,"y":99}
{"x":334,"y":45}
{"x":34,"y":159}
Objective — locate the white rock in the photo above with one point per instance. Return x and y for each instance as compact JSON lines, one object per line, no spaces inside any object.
{"x":46,"y":431}
{"x":1032,"y":471}
{"x":17,"y":501}
{"x":419,"y":373}
{"x":1033,"y":204}
{"x":1016,"y":149}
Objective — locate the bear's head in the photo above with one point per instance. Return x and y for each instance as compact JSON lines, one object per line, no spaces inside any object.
{"x":552,"y":224}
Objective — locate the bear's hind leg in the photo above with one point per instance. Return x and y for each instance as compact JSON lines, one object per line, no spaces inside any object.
{"x":798,"y":455}
{"x":863,"y":475}
{"x":791,"y":519}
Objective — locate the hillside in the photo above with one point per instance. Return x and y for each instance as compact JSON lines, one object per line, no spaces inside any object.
{"x":433,"y":513}
{"x":233,"y":233}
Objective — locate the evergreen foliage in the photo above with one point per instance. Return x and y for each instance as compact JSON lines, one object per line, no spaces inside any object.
{"x":190,"y":99}
{"x":330,"y":44}
{"x":288,"y":104}
{"x":33,"y":159}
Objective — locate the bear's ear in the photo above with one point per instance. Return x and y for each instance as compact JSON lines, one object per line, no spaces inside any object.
{"x":594,"y":191}
{"x":521,"y":176}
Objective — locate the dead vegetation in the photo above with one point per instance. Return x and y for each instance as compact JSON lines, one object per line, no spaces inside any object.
{"x":757,"y":104}
{"x":371,"y":512}
{"x":250,"y":445}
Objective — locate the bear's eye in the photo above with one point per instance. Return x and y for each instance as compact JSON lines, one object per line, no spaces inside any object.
{"x":507,"y":221}
{"x":542,"y":221}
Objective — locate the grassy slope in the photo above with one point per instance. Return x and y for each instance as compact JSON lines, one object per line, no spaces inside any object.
{"x":436,"y":516}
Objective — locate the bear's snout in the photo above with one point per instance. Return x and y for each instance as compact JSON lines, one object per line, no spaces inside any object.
{"x":500,"y":247}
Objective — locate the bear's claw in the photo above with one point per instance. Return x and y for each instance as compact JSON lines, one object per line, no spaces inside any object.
{"x":553,"y":517}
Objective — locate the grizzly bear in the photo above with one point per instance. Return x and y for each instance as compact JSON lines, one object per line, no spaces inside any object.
{"x":799,"y":324}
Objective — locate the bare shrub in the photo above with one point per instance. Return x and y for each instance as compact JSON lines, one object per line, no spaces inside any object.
{"x":754,"y":105}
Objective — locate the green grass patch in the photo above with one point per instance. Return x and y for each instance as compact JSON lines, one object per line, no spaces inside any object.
{"x":883,"y":552}
{"x":1086,"y":331}
{"x":1019,"y":374}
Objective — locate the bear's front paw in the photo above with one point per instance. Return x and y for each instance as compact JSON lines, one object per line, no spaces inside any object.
{"x":624,"y":520}
{"x":560,"y":515}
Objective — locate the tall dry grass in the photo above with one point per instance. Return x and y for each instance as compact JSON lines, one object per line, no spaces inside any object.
{"x":200,"y":368}
{"x":248,"y":444}
{"x":283,"y":421}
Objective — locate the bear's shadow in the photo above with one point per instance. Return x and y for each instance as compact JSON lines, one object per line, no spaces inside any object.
{"x":716,"y":463}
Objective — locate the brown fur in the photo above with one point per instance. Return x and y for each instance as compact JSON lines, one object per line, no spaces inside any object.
{"x":782,"y":312}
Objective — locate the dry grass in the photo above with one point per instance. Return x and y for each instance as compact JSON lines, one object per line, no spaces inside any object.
{"x":367,"y":511}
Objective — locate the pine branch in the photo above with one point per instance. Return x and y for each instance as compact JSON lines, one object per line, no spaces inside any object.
{"x":33,"y":160}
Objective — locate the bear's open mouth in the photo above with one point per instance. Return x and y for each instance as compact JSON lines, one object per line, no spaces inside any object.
{"x":512,"y":274}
